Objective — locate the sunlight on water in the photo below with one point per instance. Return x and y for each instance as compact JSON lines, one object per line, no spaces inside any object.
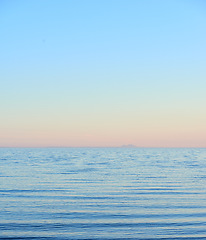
{"x":97,"y":193}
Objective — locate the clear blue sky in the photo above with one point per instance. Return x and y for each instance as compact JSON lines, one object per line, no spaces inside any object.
{"x":103,"y":73}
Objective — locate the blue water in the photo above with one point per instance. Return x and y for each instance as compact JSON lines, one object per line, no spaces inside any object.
{"x":102,"y":193}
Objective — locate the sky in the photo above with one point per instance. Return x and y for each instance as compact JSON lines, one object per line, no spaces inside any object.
{"x":76,"y":73}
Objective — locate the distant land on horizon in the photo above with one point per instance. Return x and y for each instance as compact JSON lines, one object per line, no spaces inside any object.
{"x":121,"y":146}
{"x":128,"y":146}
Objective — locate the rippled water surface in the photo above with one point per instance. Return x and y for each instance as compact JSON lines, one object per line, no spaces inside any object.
{"x":102,"y":193}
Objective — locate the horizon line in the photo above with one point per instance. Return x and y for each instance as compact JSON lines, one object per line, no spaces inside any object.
{"x":101,"y":146}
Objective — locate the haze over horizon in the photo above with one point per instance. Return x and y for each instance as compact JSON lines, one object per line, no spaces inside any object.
{"x":103,"y":73}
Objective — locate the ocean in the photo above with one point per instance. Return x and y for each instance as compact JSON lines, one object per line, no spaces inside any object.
{"x":103,"y":193}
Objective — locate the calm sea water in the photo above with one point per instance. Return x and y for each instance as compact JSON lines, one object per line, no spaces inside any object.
{"x":102,"y":193}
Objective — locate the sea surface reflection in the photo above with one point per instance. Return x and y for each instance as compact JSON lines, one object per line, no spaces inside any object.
{"x":102,"y":193}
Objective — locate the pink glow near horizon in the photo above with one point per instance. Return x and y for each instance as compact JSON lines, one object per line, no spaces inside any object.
{"x":106,"y":73}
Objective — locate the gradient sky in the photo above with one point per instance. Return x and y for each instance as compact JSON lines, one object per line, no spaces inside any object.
{"x":103,"y":73}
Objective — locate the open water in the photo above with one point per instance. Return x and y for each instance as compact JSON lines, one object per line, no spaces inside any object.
{"x":102,"y":193}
